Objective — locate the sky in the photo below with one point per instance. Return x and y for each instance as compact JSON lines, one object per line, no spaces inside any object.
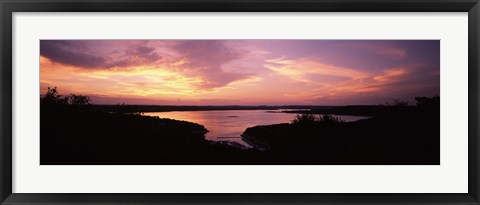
{"x":242,"y":72}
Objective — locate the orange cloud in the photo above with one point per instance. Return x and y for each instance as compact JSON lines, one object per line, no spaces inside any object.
{"x":240,"y":71}
{"x":301,"y":69}
{"x":354,"y":82}
{"x":391,"y":74}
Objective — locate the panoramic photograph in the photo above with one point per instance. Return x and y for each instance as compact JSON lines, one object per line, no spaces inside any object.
{"x":239,"y":102}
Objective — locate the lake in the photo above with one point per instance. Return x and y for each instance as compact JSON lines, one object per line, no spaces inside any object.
{"x":228,"y":125}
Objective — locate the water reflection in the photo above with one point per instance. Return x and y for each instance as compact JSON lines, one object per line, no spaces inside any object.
{"x":228,"y":125}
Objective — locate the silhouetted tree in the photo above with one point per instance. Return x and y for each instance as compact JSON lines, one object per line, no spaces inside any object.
{"x":427,"y":102}
{"x":397,"y":103}
{"x":52,"y":97}
{"x":79,"y":100}
{"x":304,"y":119}
{"x":325,"y":118}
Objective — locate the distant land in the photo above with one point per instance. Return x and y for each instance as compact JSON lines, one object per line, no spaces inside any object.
{"x":353,"y":110}
{"x":166,"y":108}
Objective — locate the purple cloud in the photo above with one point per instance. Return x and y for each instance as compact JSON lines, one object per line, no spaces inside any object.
{"x":70,"y":53}
{"x":208,"y":58}
{"x":345,"y":71}
{"x":91,"y":55}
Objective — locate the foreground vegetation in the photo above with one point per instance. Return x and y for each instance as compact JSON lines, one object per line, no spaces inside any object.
{"x":399,"y":135}
{"x":73,"y":131}
{"x":76,"y":133}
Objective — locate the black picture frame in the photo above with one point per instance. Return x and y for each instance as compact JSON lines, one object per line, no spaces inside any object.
{"x":7,"y":7}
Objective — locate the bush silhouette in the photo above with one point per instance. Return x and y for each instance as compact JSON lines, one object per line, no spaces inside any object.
{"x":397,"y":103}
{"x":309,"y":119}
{"x":52,"y":97}
{"x":427,"y":102}
{"x":304,"y":119}
{"x":325,"y":118}
{"x":79,"y":100}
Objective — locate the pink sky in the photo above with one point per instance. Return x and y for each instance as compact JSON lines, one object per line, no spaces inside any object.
{"x":241,"y":72}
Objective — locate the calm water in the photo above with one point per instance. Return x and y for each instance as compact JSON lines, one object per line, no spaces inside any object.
{"x":228,"y":125}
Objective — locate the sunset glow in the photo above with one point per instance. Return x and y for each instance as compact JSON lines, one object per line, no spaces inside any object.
{"x":241,"y":72}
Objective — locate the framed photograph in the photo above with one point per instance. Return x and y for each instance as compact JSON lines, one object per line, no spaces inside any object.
{"x":239,"y":102}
